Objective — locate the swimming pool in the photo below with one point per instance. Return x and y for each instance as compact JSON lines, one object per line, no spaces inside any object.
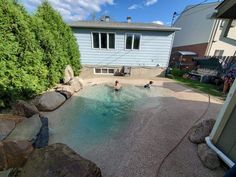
{"x":96,"y":114}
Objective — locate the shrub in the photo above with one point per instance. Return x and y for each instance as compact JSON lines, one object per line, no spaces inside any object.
{"x":177,"y":72}
{"x":22,"y":70}
{"x":34,"y":51}
{"x":61,"y":38}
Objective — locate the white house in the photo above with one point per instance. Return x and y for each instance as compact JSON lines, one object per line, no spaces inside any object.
{"x":105,"y":45}
{"x":203,"y":34}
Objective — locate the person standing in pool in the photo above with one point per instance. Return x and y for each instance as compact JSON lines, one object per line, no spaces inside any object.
{"x":148,"y":85}
{"x":117,"y":86}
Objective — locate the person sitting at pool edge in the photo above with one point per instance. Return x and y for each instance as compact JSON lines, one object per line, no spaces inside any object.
{"x":117,"y":86}
{"x":148,"y":85}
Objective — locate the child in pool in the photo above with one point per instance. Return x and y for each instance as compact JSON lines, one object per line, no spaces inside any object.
{"x":148,"y":85}
{"x":117,"y":86}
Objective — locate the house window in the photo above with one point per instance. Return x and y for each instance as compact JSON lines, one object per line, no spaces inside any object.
{"x":222,"y":24}
{"x":230,"y":31}
{"x":136,"y":41}
{"x":133,"y":41}
{"x":129,"y":39}
{"x":111,"y":41}
{"x":218,"y":53}
{"x":95,"y":40}
{"x":103,"y":40}
{"x":106,"y":71}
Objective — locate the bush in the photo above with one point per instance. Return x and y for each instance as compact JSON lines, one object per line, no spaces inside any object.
{"x":34,"y":51}
{"x":22,"y":72}
{"x":61,"y":39}
{"x":177,"y":72}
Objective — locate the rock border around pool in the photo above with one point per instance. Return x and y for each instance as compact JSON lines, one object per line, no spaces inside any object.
{"x":52,"y":99}
{"x":197,"y":136}
{"x":25,"y":136}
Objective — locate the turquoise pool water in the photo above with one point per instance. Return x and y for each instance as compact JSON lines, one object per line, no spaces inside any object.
{"x":97,"y":113}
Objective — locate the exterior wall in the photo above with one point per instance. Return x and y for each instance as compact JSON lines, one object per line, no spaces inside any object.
{"x":200,"y":49}
{"x":227,"y":138}
{"x":196,"y":25}
{"x":155,"y":48}
{"x":222,"y":41}
{"x":136,"y":73}
{"x":223,"y":134}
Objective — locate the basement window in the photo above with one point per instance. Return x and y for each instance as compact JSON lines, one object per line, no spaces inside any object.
{"x":105,"y":71}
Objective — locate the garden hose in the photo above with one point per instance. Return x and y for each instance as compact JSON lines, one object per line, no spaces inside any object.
{"x":181,"y":140}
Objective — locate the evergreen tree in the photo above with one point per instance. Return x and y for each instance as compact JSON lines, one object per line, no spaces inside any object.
{"x":34,"y":50}
{"x":22,"y":73}
{"x":67,"y":51}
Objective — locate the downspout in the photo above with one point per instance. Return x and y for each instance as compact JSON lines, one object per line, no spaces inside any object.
{"x":212,"y":37}
{"x":171,"y":48}
{"x":222,"y":118}
{"x":229,"y":162}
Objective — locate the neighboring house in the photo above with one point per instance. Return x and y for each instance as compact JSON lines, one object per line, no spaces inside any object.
{"x":106,"y":44}
{"x":223,"y":136}
{"x":203,"y":34}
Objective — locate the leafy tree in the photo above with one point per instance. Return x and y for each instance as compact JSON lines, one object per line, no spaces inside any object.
{"x":34,"y":51}
{"x":22,"y":73}
{"x":64,"y":41}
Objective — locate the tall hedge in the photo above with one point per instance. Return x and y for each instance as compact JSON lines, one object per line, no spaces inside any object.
{"x":63,"y":40}
{"x":34,"y":51}
{"x":22,"y":70}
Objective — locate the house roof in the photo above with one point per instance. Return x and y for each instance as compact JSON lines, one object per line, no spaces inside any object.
{"x":226,"y":9}
{"x":122,"y":25}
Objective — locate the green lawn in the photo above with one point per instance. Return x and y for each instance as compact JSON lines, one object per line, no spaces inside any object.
{"x":206,"y":88}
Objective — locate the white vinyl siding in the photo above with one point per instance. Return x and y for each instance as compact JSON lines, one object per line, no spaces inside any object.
{"x":154,"y":49}
{"x":196,"y":25}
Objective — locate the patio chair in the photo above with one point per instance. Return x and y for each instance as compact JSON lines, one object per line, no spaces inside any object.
{"x":125,"y":71}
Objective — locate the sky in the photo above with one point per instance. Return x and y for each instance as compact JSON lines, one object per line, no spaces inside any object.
{"x":154,"y":11}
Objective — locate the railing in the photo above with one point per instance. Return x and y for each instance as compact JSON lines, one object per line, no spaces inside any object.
{"x":221,"y":63}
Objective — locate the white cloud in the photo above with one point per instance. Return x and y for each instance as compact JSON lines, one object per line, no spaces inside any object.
{"x":134,"y":6}
{"x":158,"y":22}
{"x":72,"y":10}
{"x":150,"y":2}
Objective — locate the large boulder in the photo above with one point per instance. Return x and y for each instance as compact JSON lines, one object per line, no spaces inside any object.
{"x":13,"y":154}
{"x":208,"y":157}
{"x":49,"y":101}
{"x":76,"y":83}
{"x":22,"y":108}
{"x":68,"y":74}
{"x":6,"y":126}
{"x":43,"y":135}
{"x":58,"y":160}
{"x":200,"y":131}
{"x":26,"y":130}
{"x":65,"y":90}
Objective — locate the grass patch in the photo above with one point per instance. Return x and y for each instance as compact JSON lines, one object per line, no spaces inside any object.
{"x":206,"y":88}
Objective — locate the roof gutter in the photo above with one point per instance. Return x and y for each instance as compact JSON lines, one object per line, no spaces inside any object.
{"x":171,"y":29}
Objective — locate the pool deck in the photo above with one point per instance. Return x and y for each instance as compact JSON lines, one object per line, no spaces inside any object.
{"x":154,"y":131}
